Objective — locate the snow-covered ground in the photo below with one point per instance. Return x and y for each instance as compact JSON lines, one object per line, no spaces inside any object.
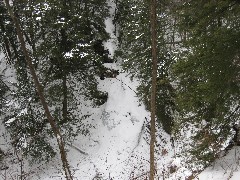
{"x":117,"y":147}
{"x":225,"y":168}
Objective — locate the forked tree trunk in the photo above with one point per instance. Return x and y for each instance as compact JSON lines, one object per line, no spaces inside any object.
{"x":51,"y":120}
{"x":153,"y":22}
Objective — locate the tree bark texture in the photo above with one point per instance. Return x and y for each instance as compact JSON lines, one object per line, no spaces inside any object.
{"x":153,"y":22}
{"x":51,"y":120}
{"x":65,"y":101}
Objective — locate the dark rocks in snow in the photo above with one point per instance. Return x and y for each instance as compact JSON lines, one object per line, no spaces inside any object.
{"x":109,"y":73}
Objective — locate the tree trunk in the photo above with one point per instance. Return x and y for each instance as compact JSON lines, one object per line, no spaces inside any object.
{"x":51,"y":120}
{"x":65,"y":101}
{"x":153,"y":22}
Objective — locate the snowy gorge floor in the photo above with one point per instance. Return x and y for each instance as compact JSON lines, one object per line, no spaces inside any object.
{"x":117,"y":147}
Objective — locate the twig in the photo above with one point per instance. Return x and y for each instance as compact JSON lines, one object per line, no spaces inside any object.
{"x":126,"y":85}
{"x":78,"y":149}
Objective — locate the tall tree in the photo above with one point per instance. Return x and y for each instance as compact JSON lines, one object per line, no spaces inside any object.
{"x":136,"y":50}
{"x":41,"y":95}
{"x":153,"y":20}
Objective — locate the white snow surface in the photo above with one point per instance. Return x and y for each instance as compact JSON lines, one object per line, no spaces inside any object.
{"x":111,"y":45}
{"x":224,"y":168}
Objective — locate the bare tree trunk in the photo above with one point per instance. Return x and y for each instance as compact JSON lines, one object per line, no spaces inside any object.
{"x":153,"y":21}
{"x":65,"y":101}
{"x":51,"y":120}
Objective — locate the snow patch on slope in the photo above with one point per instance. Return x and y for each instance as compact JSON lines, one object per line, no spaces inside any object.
{"x":224,"y":168}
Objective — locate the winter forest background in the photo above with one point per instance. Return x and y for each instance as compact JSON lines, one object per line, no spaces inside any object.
{"x":93,"y":62}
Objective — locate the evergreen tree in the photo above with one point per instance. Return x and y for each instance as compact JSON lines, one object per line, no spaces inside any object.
{"x":60,"y":36}
{"x":208,"y":73}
